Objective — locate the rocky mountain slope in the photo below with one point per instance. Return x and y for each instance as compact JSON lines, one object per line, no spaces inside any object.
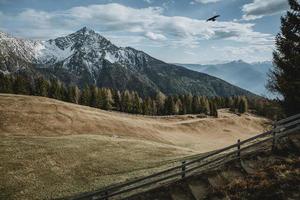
{"x":85,"y":57}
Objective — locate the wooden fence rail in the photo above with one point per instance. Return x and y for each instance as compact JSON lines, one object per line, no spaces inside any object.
{"x":189,"y":167}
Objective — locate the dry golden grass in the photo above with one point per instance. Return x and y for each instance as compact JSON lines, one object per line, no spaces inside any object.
{"x":50,"y":149}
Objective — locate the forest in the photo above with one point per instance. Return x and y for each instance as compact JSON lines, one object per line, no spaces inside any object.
{"x":131,"y":102}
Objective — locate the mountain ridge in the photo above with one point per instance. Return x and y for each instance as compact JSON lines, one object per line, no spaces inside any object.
{"x":87,"y":58}
{"x":251,"y":76}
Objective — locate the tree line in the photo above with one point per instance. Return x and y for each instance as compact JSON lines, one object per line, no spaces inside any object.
{"x":123,"y":101}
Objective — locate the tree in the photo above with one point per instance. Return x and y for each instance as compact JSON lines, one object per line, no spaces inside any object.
{"x":146,"y":106}
{"x":243,"y":105}
{"x":6,"y":83}
{"x":126,"y":101}
{"x":41,"y":87}
{"x":136,"y":103}
{"x":22,"y":85}
{"x":213,"y":109}
{"x":204,"y":104}
{"x":196,"y":105}
{"x":105,"y":98}
{"x":73,"y":94}
{"x":55,"y":89}
{"x":160,"y":102}
{"x":188,"y":103}
{"x":169,"y":106}
{"x":285,"y":75}
{"x":85,"y":96}
{"x":94,"y":97}
{"x":116,"y":100}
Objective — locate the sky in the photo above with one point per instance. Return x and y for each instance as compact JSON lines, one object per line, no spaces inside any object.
{"x":174,"y":31}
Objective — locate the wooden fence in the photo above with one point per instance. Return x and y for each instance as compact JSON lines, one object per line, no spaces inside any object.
{"x":189,"y":167}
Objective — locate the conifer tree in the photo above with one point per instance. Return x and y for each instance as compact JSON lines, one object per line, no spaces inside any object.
{"x":196,"y":105}
{"x":6,"y":84}
{"x":94,"y":97}
{"x":116,"y":100}
{"x":285,"y":76}
{"x":55,"y":89}
{"x":169,"y":106}
{"x":21,"y":85}
{"x":136,"y":103}
{"x":160,"y":101}
{"x":85,"y":96}
{"x":126,"y":101}
{"x":73,"y":94}
{"x":243,"y":105}
{"x":41,"y":87}
{"x":213,"y":109}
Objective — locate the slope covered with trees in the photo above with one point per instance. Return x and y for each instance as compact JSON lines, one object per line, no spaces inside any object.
{"x":130,"y":101}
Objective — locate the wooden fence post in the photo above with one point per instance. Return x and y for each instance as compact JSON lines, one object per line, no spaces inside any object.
{"x":239,"y":149}
{"x":183,"y":169}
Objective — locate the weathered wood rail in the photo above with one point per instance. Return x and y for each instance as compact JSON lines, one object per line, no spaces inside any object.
{"x":196,"y":165}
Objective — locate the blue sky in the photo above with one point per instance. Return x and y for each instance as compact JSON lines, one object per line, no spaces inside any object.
{"x":172,"y":30}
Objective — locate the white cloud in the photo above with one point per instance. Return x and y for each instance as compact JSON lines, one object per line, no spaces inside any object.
{"x":147,"y":23}
{"x":205,"y":1}
{"x":260,"y":8}
{"x":155,"y":36}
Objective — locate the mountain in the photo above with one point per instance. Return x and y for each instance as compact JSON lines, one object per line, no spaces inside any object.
{"x":252,"y":77}
{"x":86,"y":57}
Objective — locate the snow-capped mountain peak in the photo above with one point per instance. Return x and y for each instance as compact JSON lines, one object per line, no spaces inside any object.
{"x":86,"y":43}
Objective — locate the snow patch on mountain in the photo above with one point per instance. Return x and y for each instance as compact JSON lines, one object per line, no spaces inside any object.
{"x":111,"y":57}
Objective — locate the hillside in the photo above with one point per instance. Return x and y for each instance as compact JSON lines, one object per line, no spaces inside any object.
{"x":238,"y":73}
{"x":86,"y":57}
{"x":264,"y":174}
{"x":51,"y":149}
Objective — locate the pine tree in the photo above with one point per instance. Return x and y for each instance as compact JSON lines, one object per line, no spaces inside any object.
{"x":94,"y":97}
{"x":6,"y":84}
{"x":160,"y":102}
{"x":21,"y":85}
{"x":178,"y":106}
{"x":136,"y":103}
{"x":85,"y":96}
{"x":41,"y":87}
{"x":213,"y":109}
{"x":73,"y":94}
{"x":55,"y":89}
{"x":116,"y":100}
{"x":196,"y":105}
{"x":169,"y":106}
{"x":204,"y":104}
{"x":188,"y":99}
{"x":146,"y":106}
{"x":243,"y":105}
{"x":126,"y":101}
{"x":105,"y":98}
{"x":285,"y":76}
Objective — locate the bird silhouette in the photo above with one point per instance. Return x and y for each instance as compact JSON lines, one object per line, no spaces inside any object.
{"x":214,"y":18}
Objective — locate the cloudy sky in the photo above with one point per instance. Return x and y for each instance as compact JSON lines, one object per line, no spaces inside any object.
{"x":171,"y":30}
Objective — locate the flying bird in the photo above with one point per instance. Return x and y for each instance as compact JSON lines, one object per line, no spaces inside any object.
{"x":214,"y":18}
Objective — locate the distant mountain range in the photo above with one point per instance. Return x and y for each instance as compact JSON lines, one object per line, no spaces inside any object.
{"x":250,"y":76}
{"x":86,"y":57}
